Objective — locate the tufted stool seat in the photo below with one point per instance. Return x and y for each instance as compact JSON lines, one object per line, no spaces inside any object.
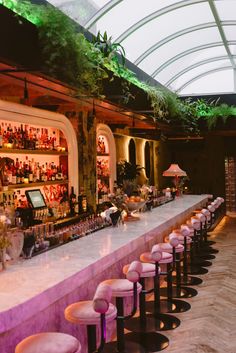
{"x":167,"y":247}
{"x":166,"y":258}
{"x":49,"y":342}
{"x":122,"y":288}
{"x":92,"y":313}
{"x":148,"y":270}
{"x":83,"y":313}
{"x":182,"y":234}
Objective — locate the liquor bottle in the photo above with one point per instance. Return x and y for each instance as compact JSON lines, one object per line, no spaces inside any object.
{"x":1,"y":138}
{"x":72,"y":202}
{"x":82,"y":199}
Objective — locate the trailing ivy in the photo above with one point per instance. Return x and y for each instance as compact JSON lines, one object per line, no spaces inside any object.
{"x":68,"y":56}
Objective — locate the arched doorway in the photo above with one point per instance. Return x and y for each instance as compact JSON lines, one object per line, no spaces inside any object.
{"x":132,"y":152}
{"x":147,"y":159}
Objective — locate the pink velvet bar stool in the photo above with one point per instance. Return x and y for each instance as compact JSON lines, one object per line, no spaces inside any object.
{"x":204,"y":250}
{"x":142,"y":325}
{"x":169,"y":304}
{"x":93,"y":313}
{"x":49,"y":342}
{"x":123,"y":288}
{"x":196,"y":263}
{"x":184,"y":235}
{"x":177,"y":249}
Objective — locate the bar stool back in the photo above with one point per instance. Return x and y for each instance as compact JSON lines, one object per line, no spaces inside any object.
{"x":92,"y":313}
{"x":121,"y":289}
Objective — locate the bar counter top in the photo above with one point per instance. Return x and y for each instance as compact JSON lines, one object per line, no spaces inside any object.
{"x":30,"y":286}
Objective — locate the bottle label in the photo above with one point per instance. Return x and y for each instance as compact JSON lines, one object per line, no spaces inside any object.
{"x":84,"y":204}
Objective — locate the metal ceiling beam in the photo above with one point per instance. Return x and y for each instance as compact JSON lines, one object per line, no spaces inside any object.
{"x":187,"y":52}
{"x":222,"y":33}
{"x":194,"y":66}
{"x":202,"y":75}
{"x":175,"y":35}
{"x":100,"y":13}
{"x":154,"y":15}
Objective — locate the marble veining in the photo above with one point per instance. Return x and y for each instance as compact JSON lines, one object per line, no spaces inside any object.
{"x":34,"y":293}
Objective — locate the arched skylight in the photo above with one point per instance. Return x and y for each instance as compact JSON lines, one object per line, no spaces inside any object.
{"x":186,"y":45}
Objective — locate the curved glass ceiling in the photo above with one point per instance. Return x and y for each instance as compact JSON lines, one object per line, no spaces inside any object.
{"x":186,"y":45}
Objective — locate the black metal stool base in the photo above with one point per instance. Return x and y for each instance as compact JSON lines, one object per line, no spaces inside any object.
{"x":197,"y":270}
{"x":169,"y":306}
{"x":210,"y":242}
{"x":150,"y":341}
{"x":207,"y":256}
{"x":199,"y":262}
{"x":130,"y":347}
{"x":162,"y":322}
{"x":183,"y":292}
{"x":189,"y":280}
{"x":208,"y":250}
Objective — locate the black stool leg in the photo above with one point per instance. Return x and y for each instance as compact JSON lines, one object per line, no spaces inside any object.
{"x":185,"y":279}
{"x":179,"y":291}
{"x":196,"y":263}
{"x":91,"y":334}
{"x":120,"y":325}
{"x":169,"y":305}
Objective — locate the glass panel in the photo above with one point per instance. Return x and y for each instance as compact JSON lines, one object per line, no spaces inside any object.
{"x":80,"y":10}
{"x":177,"y":46}
{"x":232,"y":49}
{"x":230,"y":32}
{"x":197,"y":71}
{"x":226,"y":9}
{"x":218,"y":82}
{"x":126,"y":14}
{"x":164,"y":26}
{"x":189,"y":60}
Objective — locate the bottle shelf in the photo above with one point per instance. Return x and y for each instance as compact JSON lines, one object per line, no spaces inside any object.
{"x":22,"y":151}
{"x":40,"y":183}
{"x":102,"y":154}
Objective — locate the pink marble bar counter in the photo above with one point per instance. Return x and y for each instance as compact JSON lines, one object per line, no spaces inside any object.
{"x":35,"y":292}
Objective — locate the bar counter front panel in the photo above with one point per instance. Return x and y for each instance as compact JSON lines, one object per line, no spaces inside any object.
{"x":35,"y":292}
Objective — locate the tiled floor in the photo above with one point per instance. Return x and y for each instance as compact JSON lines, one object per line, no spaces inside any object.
{"x":210,"y":325}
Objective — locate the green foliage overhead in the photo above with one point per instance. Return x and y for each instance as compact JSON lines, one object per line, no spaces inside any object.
{"x":69,"y":57}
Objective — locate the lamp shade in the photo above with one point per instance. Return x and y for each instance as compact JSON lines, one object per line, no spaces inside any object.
{"x":174,"y":170}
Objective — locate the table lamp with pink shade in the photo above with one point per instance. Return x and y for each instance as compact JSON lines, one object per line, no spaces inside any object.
{"x":175,"y":171}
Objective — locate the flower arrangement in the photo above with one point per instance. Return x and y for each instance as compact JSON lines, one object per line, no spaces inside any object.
{"x":4,"y":241}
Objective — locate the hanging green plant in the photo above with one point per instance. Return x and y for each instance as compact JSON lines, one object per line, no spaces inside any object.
{"x":109,"y":49}
{"x":69,"y":57}
{"x":65,"y":53}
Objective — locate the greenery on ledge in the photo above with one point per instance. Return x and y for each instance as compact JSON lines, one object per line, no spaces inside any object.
{"x":68,"y":56}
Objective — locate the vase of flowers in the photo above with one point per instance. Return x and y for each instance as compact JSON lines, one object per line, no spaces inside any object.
{"x":4,"y":241}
